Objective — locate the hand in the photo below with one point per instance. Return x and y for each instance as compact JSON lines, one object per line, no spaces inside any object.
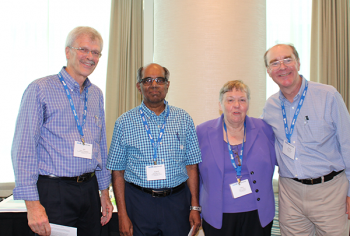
{"x":37,"y":218}
{"x":348,"y":207}
{"x":195,"y":221}
{"x":125,"y":226}
{"x":107,"y":207}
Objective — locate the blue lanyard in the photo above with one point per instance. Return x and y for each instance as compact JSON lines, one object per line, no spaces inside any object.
{"x":300,"y":104}
{"x":73,"y":108}
{"x":232,"y":158}
{"x":155,"y":145}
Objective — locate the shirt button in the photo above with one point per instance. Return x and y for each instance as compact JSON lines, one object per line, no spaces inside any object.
{"x":292,"y":107}
{"x":252,"y":172}
{"x":158,"y":126}
{"x":296,"y":175}
{"x":254,"y":181}
{"x":256,"y":190}
{"x":293,"y":141}
{"x":296,"y":158}
{"x":162,"y":160}
{"x":258,"y":199}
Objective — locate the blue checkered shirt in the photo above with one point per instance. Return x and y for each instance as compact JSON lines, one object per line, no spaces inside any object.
{"x":131,"y":149}
{"x":46,"y":130}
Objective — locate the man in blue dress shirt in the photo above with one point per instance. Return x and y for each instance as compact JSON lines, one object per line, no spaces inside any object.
{"x":312,"y":126}
{"x":154,"y":155}
{"x":59,"y":150}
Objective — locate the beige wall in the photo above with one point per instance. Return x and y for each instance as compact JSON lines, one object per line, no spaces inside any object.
{"x":206,"y":43}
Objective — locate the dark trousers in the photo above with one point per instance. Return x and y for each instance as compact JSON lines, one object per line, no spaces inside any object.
{"x":72,"y":204}
{"x":164,"y":216}
{"x":238,"y":224}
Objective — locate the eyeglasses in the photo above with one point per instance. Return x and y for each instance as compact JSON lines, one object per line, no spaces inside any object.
{"x":86,"y":51}
{"x":275,"y":65}
{"x":237,"y":157}
{"x":149,"y":81}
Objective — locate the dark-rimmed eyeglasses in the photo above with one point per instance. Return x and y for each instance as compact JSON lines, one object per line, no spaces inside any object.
{"x":149,"y":81}
{"x":275,"y":65}
{"x":86,"y":51}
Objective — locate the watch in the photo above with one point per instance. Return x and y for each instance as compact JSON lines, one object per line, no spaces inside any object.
{"x":196,"y":208}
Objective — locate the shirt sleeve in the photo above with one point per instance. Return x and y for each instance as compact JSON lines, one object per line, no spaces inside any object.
{"x":193,"y":152}
{"x":27,"y":133}
{"x":341,"y":119}
{"x":117,"y":151}
{"x":103,"y":176}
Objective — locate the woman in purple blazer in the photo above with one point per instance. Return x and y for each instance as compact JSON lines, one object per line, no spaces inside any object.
{"x":238,"y":160}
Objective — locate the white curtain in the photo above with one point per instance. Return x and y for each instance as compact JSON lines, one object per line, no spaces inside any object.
{"x":33,"y":35}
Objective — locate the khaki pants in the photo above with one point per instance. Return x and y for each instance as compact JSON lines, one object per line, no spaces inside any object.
{"x":318,"y":209}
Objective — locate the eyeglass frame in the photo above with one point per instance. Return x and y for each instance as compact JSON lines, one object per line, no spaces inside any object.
{"x":143,"y":81}
{"x":237,"y":157}
{"x":282,"y":61}
{"x":82,"y":50}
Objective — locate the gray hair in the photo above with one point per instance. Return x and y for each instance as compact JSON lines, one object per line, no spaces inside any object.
{"x":83,"y":30}
{"x":140,"y":70}
{"x":234,"y":84}
{"x":295,"y":52}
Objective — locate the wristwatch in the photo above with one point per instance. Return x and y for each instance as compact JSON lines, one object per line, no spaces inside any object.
{"x":196,"y":208}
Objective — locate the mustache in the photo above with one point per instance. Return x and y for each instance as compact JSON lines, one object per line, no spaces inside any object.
{"x":89,"y":61}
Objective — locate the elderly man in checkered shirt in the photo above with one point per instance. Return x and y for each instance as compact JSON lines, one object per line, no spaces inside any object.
{"x":154,"y":155}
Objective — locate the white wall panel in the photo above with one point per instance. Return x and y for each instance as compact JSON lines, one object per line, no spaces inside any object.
{"x":207,"y":43}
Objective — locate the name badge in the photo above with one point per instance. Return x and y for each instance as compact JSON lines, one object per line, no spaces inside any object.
{"x":83,"y":151}
{"x":155,"y":172}
{"x":289,"y":150}
{"x":239,"y":190}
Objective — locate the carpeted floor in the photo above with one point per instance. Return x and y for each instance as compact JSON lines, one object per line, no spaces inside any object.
{"x":276,"y":227}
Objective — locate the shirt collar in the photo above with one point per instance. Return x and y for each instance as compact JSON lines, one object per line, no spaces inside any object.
{"x":71,"y":83}
{"x":149,"y":113}
{"x":298,"y":95}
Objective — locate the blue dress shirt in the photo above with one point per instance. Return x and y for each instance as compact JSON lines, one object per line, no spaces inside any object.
{"x":321,"y":135}
{"x":46,"y":131}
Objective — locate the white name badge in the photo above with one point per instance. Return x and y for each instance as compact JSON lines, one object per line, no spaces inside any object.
{"x":289,"y":150}
{"x":155,"y":172}
{"x":239,"y":190}
{"x":83,"y":151}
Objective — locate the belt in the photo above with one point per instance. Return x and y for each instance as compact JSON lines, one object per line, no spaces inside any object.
{"x":160,"y":192}
{"x":79,"y":179}
{"x":318,"y":180}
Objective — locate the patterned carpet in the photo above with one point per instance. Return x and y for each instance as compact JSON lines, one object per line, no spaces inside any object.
{"x":276,"y":227}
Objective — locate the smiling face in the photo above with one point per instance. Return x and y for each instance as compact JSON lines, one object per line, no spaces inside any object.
{"x":154,"y":94}
{"x":80,"y":65}
{"x":234,"y":105}
{"x":286,"y":77}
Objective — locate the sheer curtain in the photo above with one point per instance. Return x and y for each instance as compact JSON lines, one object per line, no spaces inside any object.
{"x":289,"y":22}
{"x":330,"y":48}
{"x":33,"y":35}
{"x":125,"y":57}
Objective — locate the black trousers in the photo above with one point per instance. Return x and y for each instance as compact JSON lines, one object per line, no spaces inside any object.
{"x":72,"y":204}
{"x":238,"y":224}
{"x":164,"y":216}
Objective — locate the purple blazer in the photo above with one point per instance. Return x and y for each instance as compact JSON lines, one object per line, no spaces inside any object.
{"x":259,"y":154}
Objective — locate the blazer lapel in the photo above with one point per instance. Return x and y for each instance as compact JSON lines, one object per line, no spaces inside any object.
{"x":251,"y":135}
{"x":215,"y":137}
